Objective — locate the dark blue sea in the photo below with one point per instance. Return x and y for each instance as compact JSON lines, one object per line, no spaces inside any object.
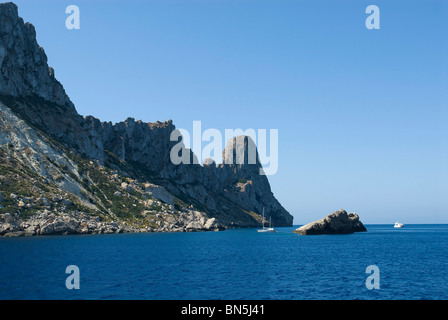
{"x":412,"y":264}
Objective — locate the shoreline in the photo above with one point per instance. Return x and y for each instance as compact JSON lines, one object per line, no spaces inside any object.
{"x":78,"y":223}
{"x":63,"y":228}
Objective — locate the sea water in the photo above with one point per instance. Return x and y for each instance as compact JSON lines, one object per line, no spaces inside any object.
{"x":412,"y":263}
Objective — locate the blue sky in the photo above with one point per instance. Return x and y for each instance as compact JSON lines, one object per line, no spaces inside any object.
{"x":361,"y":114}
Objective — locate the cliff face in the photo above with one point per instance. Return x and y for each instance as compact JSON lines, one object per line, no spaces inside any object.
{"x":24,"y":69}
{"x":234,"y":194}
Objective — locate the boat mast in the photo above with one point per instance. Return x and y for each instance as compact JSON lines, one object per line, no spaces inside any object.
{"x":262,"y":221}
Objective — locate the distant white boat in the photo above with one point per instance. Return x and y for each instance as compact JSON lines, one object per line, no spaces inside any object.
{"x":265,"y":229}
{"x":398,"y":225}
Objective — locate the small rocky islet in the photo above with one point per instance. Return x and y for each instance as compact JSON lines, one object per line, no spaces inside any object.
{"x":338,"y":222}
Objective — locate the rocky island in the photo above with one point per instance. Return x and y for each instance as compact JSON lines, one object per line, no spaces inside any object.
{"x":339,"y":222}
{"x":61,"y":172}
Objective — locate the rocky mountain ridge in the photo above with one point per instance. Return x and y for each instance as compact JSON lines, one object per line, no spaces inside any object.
{"x":105,"y":171}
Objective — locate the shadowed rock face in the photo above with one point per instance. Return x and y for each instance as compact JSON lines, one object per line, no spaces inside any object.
{"x":339,"y":222}
{"x":234,"y":192}
{"x":24,"y":69}
{"x":239,"y":181}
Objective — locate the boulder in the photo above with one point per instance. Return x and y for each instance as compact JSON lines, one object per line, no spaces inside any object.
{"x":8,"y":218}
{"x":125,"y":186}
{"x":213,"y":224}
{"x":160,"y":193}
{"x":194,"y":226}
{"x":6,"y":228}
{"x":60,"y":226}
{"x":339,"y":222}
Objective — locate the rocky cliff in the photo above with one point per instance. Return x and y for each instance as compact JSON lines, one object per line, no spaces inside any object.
{"x":24,"y":68}
{"x":49,"y":150}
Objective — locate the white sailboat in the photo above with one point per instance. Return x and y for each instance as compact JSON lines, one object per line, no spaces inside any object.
{"x":265,"y":229}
